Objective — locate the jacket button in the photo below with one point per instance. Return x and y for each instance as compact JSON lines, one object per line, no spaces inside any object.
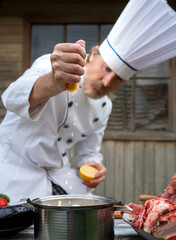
{"x":70,"y":104}
{"x":83,"y":135}
{"x":64,"y":154}
{"x":69,"y":140}
{"x":103,"y":104}
{"x":95,"y":119}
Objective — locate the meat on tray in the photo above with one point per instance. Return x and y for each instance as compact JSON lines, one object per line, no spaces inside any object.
{"x":170,"y":191}
{"x":157,"y":216}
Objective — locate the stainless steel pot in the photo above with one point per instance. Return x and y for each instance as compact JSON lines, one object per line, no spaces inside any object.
{"x":73,"y":217}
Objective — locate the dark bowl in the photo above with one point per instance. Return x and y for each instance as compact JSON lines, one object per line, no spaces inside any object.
{"x":14,"y":219}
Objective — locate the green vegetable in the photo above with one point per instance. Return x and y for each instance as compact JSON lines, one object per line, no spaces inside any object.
{"x":5,"y":197}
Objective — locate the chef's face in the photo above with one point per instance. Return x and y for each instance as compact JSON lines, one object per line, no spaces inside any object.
{"x":99,"y":79}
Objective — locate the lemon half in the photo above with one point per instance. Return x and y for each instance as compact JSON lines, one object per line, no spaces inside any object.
{"x":87,"y":173}
{"x":72,"y":87}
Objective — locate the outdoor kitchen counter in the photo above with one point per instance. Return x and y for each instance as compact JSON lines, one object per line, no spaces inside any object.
{"x":122,"y":231}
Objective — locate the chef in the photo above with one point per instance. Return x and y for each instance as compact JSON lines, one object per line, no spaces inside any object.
{"x":44,"y":120}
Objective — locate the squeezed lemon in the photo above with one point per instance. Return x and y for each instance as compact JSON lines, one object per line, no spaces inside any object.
{"x":72,"y":87}
{"x":87,"y":173}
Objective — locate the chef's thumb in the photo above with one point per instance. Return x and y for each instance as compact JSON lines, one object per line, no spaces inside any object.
{"x":82,"y":43}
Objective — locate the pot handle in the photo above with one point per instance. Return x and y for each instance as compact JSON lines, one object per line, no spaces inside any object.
{"x":119,"y":206}
{"x":27,"y":203}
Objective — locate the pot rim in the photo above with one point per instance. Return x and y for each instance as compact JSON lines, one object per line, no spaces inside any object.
{"x":109,"y":202}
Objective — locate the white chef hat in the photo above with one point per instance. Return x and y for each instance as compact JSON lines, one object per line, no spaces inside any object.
{"x":143,"y":35}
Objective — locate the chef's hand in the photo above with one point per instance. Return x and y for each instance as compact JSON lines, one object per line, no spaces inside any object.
{"x":68,"y":61}
{"x":100,"y":176}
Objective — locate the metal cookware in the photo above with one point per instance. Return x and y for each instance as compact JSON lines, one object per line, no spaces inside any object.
{"x":13,"y":219}
{"x":73,"y":217}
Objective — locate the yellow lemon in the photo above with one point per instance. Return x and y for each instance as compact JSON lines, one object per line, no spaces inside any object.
{"x":88,"y":173}
{"x":72,"y":86}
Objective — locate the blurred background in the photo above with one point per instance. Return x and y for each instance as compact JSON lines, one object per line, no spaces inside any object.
{"x":139,"y":145}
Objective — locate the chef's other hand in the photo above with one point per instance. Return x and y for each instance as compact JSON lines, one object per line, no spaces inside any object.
{"x":68,"y":61}
{"x":100,"y":176}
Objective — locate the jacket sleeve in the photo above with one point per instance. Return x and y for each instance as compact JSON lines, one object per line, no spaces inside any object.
{"x":16,"y":96}
{"x":89,"y":148}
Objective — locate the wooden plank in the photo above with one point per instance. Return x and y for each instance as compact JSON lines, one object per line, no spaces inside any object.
{"x":13,"y":57}
{"x":11,"y":30}
{"x":160,"y":170}
{"x":139,"y":136}
{"x":119,"y":171}
{"x":26,"y":45}
{"x":149,"y":168}
{"x":138,"y":170}
{"x":129,"y":172}
{"x":170,"y":162}
{"x":2,"y":112}
{"x":135,"y":168}
{"x":100,"y":190}
{"x":6,"y":21}
{"x":10,"y":65}
{"x":172,"y":97}
{"x":67,"y":12}
{"x":9,"y":76}
{"x":109,"y":184}
{"x":11,"y":38}
{"x":9,"y":48}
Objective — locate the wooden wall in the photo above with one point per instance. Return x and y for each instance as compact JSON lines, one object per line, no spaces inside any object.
{"x":14,"y":55}
{"x":133,"y":167}
{"x":137,"y":167}
{"x":11,"y":53}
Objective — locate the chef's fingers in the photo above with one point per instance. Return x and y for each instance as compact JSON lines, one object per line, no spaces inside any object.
{"x":70,"y":48}
{"x":100,"y":167}
{"x":68,"y":73}
{"x":68,"y":61}
{"x":66,"y":68}
{"x":67,"y":57}
{"x":71,"y":68}
{"x":62,"y":78}
{"x":94,"y":183}
{"x":101,"y":171}
{"x":82,"y":43}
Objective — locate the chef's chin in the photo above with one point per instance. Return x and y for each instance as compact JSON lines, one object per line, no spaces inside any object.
{"x":93,"y":89}
{"x":92,"y":93}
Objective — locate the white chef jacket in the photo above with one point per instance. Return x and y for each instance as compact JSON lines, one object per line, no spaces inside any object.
{"x":34,"y":149}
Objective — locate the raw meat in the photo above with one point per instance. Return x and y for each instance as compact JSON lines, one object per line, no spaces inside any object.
{"x":170,"y":191}
{"x":167,"y":226}
{"x":153,"y":214}
{"x":137,"y":208}
{"x":157,"y":216}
